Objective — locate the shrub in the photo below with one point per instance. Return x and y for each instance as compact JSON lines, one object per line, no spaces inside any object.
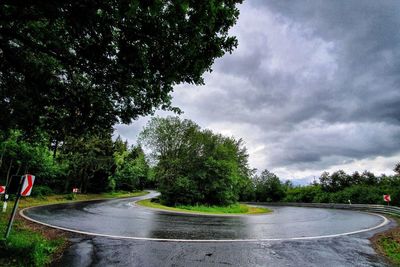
{"x":41,"y":191}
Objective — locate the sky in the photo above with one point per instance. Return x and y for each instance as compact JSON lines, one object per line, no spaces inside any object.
{"x":313,"y":86}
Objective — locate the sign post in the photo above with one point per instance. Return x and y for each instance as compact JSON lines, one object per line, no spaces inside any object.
{"x":14,"y":180}
{"x":387,"y":199}
{"x":25,"y":184}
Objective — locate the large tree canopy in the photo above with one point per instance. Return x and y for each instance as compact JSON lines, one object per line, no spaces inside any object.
{"x":73,"y":66}
{"x":194,"y":165}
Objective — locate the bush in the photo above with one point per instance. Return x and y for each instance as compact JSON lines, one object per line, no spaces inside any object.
{"x":311,"y":193}
{"x":71,"y":196}
{"x":268,"y":187}
{"x":41,"y":191}
{"x":361,"y":194}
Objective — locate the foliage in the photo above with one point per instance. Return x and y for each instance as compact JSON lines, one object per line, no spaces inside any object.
{"x":90,"y":162}
{"x":20,"y":156}
{"x":25,"y":248}
{"x":41,"y":191}
{"x":195,"y":166}
{"x":131,"y":169}
{"x":389,"y":243}
{"x":268,"y":187}
{"x":364,"y":189}
{"x":391,"y":247}
{"x":397,"y":168}
{"x":70,"y":67}
{"x":311,"y":193}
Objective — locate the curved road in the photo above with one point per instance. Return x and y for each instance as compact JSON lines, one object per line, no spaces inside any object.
{"x":289,"y":236}
{"x":122,"y":218}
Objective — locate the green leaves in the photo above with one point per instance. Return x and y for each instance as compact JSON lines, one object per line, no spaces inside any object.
{"x":19,"y":156}
{"x":70,"y":67}
{"x":132,"y":170}
{"x":268,"y":187}
{"x":194,"y":165}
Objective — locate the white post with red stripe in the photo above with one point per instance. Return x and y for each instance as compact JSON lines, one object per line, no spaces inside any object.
{"x":26,"y":189}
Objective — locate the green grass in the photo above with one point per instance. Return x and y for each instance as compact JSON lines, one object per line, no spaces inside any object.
{"x":232,"y":209}
{"x":388,"y":243}
{"x":391,"y":248}
{"x":28,"y":247}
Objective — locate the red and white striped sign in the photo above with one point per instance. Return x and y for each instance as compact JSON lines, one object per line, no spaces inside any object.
{"x":28,"y":184}
{"x":2,"y":189}
{"x":386,"y":198}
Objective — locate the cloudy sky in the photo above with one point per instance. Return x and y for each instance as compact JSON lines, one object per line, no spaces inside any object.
{"x":312,"y":86}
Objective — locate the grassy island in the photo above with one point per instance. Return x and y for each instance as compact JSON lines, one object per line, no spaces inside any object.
{"x":231,"y":209}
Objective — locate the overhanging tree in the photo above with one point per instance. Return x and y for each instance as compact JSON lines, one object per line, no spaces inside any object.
{"x":72,"y":66}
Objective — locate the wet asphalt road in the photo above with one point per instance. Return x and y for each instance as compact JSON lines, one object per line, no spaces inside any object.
{"x":122,"y":218}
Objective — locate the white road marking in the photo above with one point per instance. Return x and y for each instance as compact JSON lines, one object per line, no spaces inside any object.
{"x":385,"y":221}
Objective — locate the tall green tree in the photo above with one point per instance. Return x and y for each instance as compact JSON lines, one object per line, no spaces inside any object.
{"x":90,"y":162}
{"x":268,"y":187}
{"x":194,"y":165}
{"x":18,"y":156}
{"x":72,"y":66}
{"x":397,"y":168}
{"x":132,"y":170}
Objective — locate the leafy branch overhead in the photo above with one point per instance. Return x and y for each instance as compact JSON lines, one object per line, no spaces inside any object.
{"x":85,"y":65}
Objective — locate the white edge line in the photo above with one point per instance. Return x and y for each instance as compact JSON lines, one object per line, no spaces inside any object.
{"x":385,"y":221}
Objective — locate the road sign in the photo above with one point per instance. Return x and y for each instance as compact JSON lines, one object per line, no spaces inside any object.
{"x":75,"y":190}
{"x":386,"y":198}
{"x":28,"y":184}
{"x":2,"y":189}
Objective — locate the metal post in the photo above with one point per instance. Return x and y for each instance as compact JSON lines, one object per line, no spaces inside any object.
{"x":14,"y":211}
{"x":10,"y":222}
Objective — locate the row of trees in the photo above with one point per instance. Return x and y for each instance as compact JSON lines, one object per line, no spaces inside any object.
{"x":92,"y":163}
{"x":338,"y":187}
{"x":198,"y":166}
{"x":187,"y":164}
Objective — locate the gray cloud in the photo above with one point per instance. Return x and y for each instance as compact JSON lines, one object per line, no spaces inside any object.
{"x":313,"y":85}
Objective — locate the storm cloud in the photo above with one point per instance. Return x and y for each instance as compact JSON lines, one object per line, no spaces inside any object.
{"x":312,"y":86}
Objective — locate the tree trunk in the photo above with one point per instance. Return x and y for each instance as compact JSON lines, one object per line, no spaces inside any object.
{"x":19,"y":168}
{"x":8,"y":172}
{"x":2,"y":155}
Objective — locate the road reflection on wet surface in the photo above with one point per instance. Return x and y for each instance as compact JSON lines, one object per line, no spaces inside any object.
{"x":121,"y":218}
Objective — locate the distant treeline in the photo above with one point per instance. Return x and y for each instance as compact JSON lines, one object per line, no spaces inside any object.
{"x":337,"y":187}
